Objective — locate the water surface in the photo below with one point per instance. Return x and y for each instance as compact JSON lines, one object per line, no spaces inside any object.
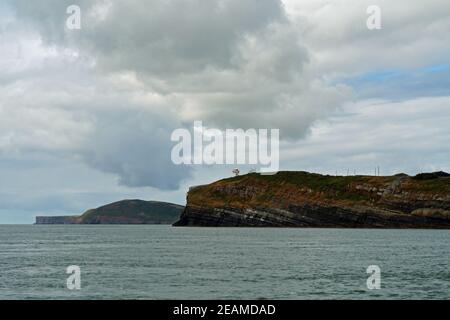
{"x":162,"y":262}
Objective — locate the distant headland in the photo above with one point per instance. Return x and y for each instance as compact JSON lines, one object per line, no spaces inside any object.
{"x":122,"y":212}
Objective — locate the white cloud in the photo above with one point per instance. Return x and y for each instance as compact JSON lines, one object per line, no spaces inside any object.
{"x":414,"y":33}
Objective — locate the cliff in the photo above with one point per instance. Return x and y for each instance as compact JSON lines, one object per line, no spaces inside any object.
{"x":301,"y":199}
{"x":122,"y":212}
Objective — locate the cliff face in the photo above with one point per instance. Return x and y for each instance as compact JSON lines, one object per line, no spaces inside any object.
{"x":300,"y":199}
{"x":123,"y":212}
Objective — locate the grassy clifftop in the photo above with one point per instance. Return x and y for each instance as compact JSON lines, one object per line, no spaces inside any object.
{"x":256,"y":189}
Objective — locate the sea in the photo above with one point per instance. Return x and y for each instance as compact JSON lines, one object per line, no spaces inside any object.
{"x":164,"y":262}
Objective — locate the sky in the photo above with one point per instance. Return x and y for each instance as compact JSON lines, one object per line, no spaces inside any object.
{"x":86,"y":115}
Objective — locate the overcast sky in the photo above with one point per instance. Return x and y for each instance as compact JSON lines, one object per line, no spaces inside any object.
{"x":86,"y":115}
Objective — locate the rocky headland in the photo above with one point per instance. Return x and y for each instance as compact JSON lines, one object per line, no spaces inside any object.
{"x":301,"y":199}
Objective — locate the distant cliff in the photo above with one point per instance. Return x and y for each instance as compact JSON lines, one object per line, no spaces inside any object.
{"x":122,"y":212}
{"x":57,"y":220}
{"x":301,"y":199}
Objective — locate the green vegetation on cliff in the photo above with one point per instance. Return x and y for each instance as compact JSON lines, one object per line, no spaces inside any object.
{"x":300,"y":184}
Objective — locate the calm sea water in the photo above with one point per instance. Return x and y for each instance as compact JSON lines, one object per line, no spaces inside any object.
{"x":161,"y":262}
